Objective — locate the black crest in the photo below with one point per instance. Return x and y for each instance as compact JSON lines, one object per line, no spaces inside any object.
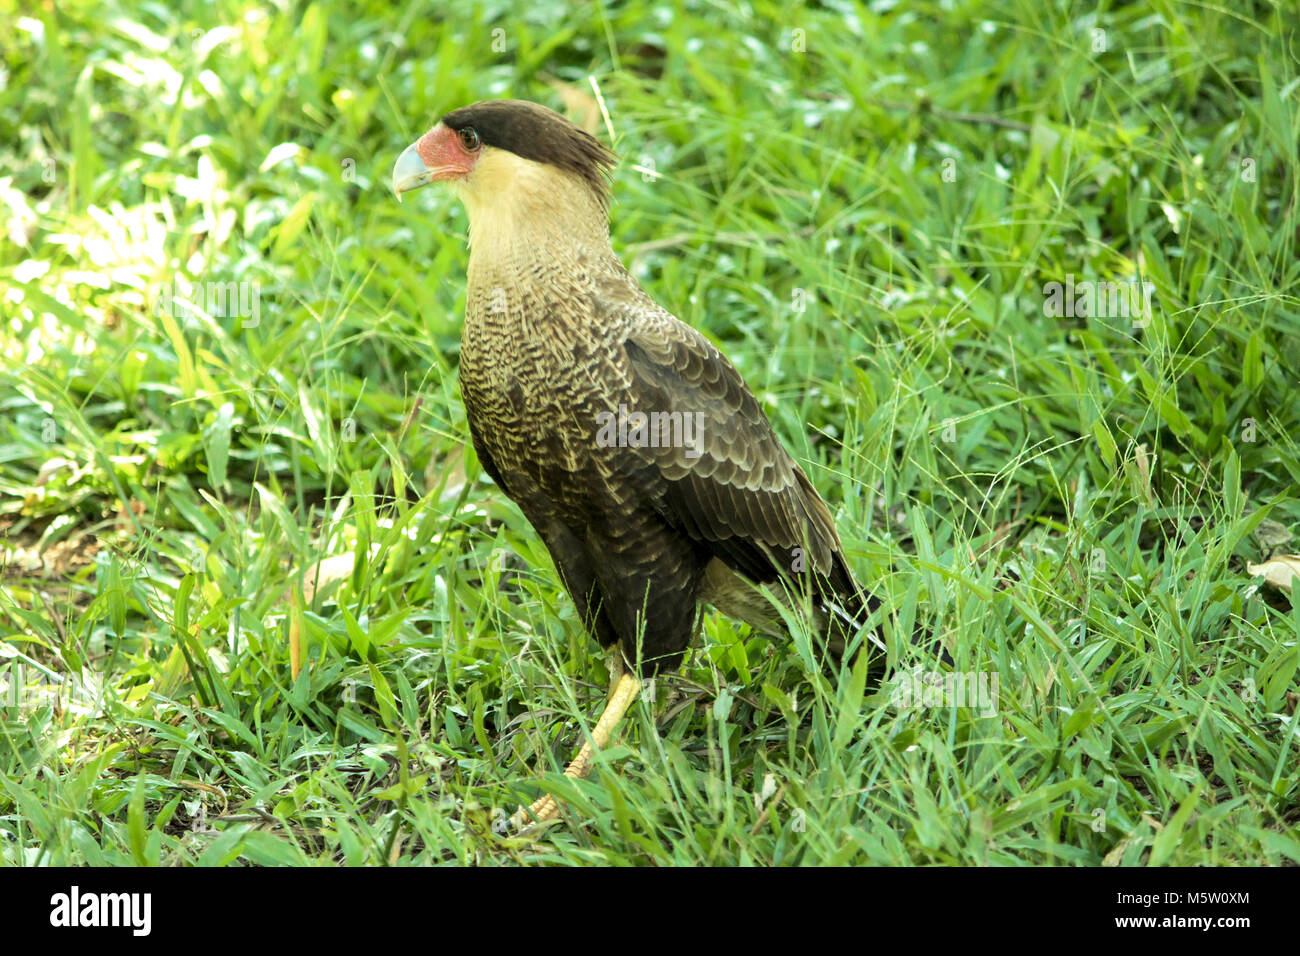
{"x":540,"y":134}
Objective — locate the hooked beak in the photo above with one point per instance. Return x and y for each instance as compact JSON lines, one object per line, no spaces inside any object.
{"x":409,"y":172}
{"x":431,"y":158}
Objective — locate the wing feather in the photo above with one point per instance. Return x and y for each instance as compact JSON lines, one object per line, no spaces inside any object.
{"x":737,"y":489}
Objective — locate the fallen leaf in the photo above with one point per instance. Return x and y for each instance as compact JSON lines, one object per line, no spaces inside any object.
{"x":1278,"y":570}
{"x":580,"y":105}
{"x":325,"y":573}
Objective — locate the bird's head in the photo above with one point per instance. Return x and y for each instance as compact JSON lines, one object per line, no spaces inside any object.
{"x":511,"y":154}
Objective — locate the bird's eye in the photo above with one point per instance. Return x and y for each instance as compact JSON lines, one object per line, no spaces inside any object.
{"x":469,"y":139}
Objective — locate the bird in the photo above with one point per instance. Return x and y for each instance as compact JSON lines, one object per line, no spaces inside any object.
{"x":630,"y":443}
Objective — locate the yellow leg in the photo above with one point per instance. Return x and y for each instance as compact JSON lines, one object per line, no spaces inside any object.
{"x":622,"y":693}
{"x":616,"y":671}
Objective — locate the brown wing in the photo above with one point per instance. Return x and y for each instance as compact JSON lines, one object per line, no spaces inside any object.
{"x":733,"y":486}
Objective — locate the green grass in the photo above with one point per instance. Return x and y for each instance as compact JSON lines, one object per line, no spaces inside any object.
{"x":862,"y":204}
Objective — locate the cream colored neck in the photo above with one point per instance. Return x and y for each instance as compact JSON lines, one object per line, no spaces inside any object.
{"x":520,"y":210}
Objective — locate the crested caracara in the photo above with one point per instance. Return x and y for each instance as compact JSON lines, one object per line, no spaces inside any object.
{"x":627,"y":439}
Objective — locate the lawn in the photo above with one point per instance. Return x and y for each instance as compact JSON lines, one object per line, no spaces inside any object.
{"x":1015,"y":281}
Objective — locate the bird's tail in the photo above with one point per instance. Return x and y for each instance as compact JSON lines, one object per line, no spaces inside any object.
{"x":849,"y":607}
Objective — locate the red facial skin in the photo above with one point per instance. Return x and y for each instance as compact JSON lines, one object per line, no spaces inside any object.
{"x":444,"y":154}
